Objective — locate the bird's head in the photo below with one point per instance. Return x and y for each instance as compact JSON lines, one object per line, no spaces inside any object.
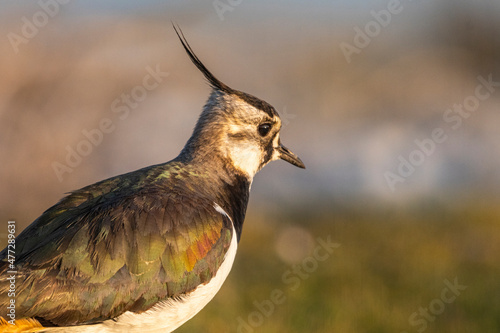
{"x":241,"y":128}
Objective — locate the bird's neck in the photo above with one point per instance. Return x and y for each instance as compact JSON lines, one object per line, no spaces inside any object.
{"x":234,"y":198}
{"x":229,"y":187}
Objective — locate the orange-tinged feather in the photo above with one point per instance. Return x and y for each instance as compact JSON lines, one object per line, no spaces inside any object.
{"x":196,"y":250}
{"x":211,"y":239}
{"x":215,"y":236}
{"x":203,"y":245}
{"x":20,"y":325}
{"x":191,"y":259}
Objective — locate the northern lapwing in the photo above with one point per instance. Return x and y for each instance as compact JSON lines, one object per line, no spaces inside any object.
{"x":147,"y":250}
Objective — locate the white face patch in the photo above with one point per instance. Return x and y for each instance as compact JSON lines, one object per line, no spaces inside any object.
{"x":246,"y":157}
{"x":243,"y":144}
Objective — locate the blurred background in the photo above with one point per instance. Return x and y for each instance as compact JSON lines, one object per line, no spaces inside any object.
{"x":392,"y":105}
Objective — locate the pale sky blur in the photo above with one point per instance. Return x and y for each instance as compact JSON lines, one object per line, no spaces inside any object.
{"x":354,"y":119}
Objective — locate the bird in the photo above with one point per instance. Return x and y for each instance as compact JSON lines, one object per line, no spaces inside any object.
{"x":145,"y":251}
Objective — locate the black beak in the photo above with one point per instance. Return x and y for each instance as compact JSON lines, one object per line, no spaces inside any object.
{"x":287,"y":155}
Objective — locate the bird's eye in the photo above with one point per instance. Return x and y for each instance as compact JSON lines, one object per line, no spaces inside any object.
{"x":264,"y":129}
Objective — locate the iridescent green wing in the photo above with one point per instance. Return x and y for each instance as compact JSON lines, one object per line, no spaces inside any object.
{"x":107,"y":254}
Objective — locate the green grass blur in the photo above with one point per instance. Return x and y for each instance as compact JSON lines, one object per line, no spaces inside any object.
{"x":389,"y":265}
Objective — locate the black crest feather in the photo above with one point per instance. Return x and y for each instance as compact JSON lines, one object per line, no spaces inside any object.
{"x":214,"y":82}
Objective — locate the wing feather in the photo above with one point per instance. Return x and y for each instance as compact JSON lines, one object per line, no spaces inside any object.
{"x":102,"y":255}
